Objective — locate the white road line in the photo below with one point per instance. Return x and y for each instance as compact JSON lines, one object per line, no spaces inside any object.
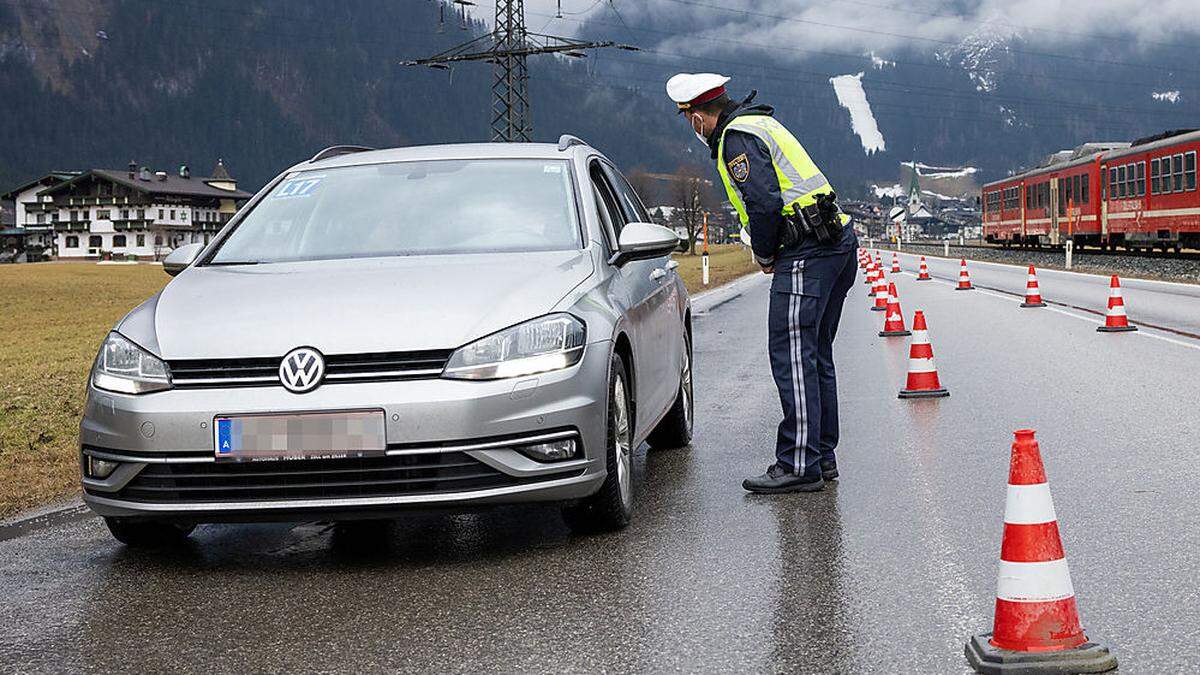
{"x":1055,"y":271}
{"x":1142,"y":330}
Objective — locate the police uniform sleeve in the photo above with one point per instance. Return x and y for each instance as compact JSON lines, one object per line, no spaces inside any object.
{"x":753,"y":175}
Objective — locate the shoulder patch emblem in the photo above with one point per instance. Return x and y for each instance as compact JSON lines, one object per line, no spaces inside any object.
{"x":739,"y":168}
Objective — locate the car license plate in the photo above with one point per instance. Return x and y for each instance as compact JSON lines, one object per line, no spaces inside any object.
{"x":320,"y":435}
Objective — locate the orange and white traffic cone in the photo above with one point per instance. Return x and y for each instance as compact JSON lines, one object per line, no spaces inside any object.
{"x":893,"y":321}
{"x":924,"y":273}
{"x":895,"y":263}
{"x":1115,"y":321}
{"x":881,"y":292}
{"x":870,"y":273}
{"x":1036,"y":627}
{"x":1033,"y":296}
{"x":964,"y":278}
{"x":922,"y":374}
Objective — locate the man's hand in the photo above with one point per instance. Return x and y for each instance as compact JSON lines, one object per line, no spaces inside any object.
{"x":768,"y":269}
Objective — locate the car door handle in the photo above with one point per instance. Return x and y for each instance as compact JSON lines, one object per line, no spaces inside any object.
{"x":658,"y":274}
{"x":672,"y":264}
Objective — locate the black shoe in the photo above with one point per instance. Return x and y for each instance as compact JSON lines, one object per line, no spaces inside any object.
{"x":778,"y":480}
{"x":829,"y":469}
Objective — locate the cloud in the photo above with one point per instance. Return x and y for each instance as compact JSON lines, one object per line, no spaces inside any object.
{"x":891,"y":27}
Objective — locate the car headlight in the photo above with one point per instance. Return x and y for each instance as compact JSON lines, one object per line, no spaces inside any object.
{"x":126,"y":368}
{"x":550,"y":343}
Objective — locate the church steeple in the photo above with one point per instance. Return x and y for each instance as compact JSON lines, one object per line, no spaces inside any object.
{"x":914,"y":186}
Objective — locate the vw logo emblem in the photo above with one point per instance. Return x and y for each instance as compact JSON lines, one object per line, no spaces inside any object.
{"x":302,"y":369}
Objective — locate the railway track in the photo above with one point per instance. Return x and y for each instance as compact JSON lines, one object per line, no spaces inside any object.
{"x":1153,"y":255}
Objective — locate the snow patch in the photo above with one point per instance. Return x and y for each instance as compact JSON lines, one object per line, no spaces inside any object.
{"x":851,"y":96}
{"x":928,"y":171}
{"x":879,"y":63}
{"x":889,"y":192}
{"x":1168,"y":96}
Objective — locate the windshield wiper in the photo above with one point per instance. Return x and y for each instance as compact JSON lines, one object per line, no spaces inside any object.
{"x":227,"y":263}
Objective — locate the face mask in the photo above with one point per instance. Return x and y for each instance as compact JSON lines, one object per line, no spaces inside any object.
{"x":700,"y":136}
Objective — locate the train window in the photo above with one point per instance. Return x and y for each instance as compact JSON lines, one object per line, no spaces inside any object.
{"x":1177,"y":173}
{"x":1141,"y":178}
{"x":1075,"y":189}
{"x":1155,"y":164}
{"x":1083,"y":188}
{"x":1122,"y":182}
{"x":1189,"y":171}
{"x":1166,"y":175}
{"x":1112,"y":183}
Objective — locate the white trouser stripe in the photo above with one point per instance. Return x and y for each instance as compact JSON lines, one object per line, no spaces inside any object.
{"x":1029,"y":504}
{"x":1034,"y":582}
{"x":799,"y":394}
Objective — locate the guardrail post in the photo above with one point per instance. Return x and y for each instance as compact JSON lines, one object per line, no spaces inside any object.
{"x":946,"y":247}
{"x":1069,"y":247}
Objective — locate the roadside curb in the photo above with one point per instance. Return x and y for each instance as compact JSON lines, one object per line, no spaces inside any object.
{"x":704,"y":301}
{"x":41,"y":517}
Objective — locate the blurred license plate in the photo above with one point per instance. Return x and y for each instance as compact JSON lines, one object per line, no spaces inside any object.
{"x":300,"y":436}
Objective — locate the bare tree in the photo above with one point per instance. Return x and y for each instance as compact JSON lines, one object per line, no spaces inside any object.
{"x":691,"y":196}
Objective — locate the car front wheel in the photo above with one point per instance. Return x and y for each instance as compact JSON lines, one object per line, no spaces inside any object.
{"x":612,"y":505}
{"x":148,"y":533}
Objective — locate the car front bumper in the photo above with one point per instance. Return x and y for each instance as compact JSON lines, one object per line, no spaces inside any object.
{"x":166,"y":439}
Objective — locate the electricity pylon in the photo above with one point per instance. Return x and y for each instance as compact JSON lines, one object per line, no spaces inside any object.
{"x":506,"y":48}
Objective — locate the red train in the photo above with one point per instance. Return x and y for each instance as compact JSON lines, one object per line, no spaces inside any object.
{"x":1140,"y":197}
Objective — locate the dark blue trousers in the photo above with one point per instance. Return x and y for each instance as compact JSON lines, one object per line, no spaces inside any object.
{"x":806,"y":306}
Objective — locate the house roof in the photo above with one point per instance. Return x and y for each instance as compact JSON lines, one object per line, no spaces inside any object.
{"x":52,"y":178}
{"x":172,"y":184}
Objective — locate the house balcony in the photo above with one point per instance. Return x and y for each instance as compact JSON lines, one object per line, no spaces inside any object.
{"x":72,"y":226}
{"x":124,"y":225}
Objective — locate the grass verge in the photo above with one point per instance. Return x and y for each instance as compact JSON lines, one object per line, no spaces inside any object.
{"x":52,"y":318}
{"x":726,"y":262}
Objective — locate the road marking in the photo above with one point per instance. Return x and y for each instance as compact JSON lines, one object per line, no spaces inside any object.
{"x":1050,"y":270}
{"x":1012,"y":296}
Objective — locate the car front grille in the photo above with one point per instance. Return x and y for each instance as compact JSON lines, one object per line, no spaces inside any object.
{"x":264,"y":372}
{"x":426,"y":474}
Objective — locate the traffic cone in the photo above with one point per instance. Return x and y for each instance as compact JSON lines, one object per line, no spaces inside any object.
{"x":1115,"y":320}
{"x":922,"y":374}
{"x":1036,"y":627}
{"x":895,"y":263}
{"x":881,"y":292}
{"x":893,"y":321}
{"x":924,"y":274}
{"x":870,"y":271}
{"x":964,"y":278}
{"x":1033,"y":296}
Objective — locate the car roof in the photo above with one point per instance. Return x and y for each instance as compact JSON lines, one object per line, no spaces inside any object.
{"x":447,"y":151}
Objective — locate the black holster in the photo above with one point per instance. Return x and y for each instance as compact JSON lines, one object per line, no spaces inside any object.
{"x":821,"y":220}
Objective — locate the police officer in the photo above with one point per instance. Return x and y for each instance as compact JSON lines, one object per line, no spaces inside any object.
{"x":800,"y":237}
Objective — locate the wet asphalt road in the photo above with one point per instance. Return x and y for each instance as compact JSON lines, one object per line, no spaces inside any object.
{"x":890,"y":570}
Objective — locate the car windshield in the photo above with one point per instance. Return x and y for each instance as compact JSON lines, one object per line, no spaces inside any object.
{"x":409,"y":208}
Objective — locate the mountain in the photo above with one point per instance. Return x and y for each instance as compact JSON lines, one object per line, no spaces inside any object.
{"x":265,"y":83}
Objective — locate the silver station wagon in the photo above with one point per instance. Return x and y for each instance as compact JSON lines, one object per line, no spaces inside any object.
{"x":378,"y":330}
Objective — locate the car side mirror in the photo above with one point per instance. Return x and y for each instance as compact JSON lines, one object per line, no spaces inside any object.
{"x":179,"y":259}
{"x":644,"y":241}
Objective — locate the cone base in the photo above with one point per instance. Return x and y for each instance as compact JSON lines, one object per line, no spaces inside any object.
{"x":1086,"y":658}
{"x":878,"y":309}
{"x":893,"y":333}
{"x":965,"y":288}
{"x":923,"y":393}
{"x":1115,"y":329}
{"x":1033,"y":304}
{"x":924,"y":279}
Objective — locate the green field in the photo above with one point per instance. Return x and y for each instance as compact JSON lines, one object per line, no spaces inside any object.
{"x":52,"y":318}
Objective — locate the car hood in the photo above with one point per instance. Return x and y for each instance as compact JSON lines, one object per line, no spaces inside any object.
{"x":359,"y":306}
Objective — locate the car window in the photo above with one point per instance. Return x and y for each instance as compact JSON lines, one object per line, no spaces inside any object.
{"x":606,"y":203}
{"x":631,"y":204}
{"x":410,"y":208}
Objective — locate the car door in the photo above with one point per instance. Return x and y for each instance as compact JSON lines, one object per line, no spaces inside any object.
{"x":666,"y":323}
{"x":635,"y":278}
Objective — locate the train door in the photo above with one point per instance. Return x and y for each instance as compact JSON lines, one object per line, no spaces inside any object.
{"x":1104,"y":187}
{"x":1053,"y":211}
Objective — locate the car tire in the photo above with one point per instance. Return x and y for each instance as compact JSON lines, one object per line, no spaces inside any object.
{"x":148,"y":533}
{"x":612,"y":505}
{"x":675,"y":430}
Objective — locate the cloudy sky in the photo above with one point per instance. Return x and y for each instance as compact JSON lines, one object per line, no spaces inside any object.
{"x":890,"y":26}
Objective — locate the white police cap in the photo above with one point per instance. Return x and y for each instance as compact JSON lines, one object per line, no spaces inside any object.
{"x":692,"y":89}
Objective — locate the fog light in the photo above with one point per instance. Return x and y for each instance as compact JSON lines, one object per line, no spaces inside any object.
{"x":554,"y":451}
{"x":100,"y":468}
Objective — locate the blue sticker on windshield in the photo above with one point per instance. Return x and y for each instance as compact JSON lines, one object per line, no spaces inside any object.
{"x":303,"y":186}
